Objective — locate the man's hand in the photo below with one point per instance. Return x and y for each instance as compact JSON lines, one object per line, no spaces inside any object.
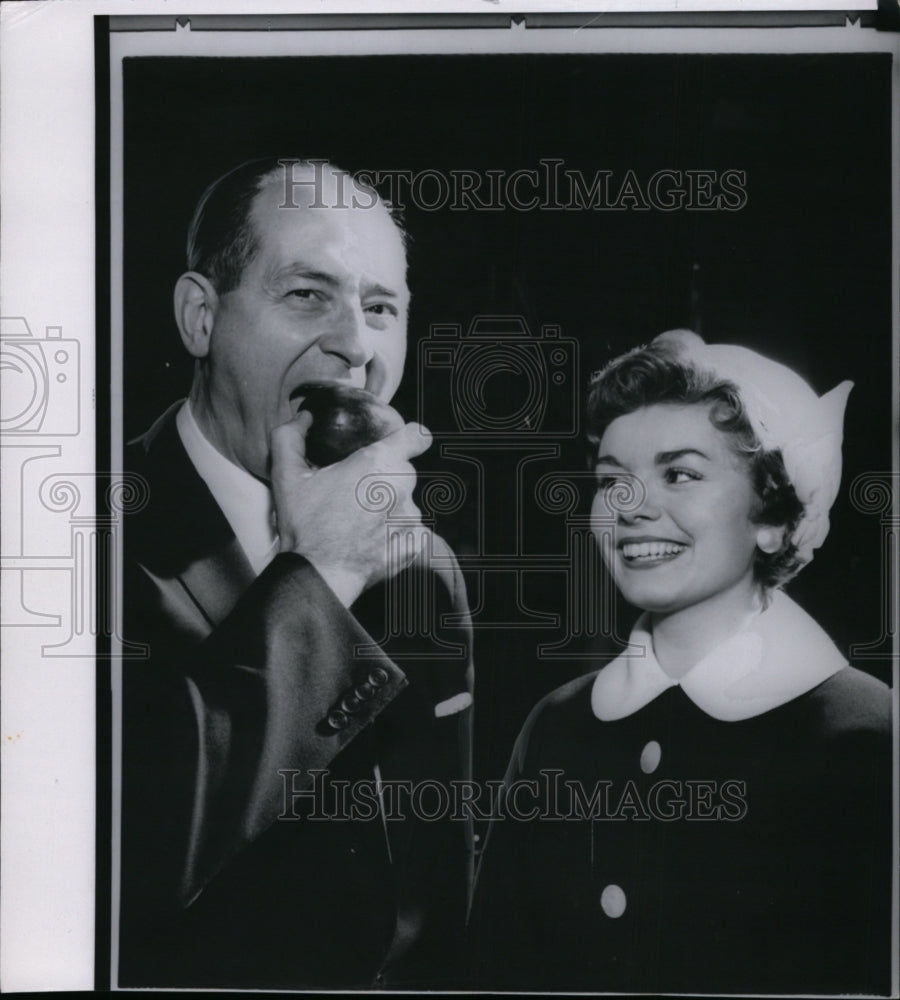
{"x":336,"y":517}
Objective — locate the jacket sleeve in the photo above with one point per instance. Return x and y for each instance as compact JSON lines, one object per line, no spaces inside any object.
{"x":220,"y":734}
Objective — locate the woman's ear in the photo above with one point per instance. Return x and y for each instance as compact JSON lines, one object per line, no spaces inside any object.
{"x":195,"y":312}
{"x":769,"y":539}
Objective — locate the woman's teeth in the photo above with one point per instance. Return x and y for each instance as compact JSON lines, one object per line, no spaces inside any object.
{"x":637,"y":551}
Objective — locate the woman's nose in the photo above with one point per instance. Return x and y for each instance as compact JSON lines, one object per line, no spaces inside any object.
{"x":636,"y":502}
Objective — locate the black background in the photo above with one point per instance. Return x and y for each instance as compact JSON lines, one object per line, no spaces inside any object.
{"x":801,"y":273}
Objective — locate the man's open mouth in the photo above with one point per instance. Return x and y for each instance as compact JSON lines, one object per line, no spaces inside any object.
{"x":297,"y":395}
{"x":637,"y":553}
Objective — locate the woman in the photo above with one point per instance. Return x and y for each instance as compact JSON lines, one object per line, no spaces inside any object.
{"x":712,"y":808}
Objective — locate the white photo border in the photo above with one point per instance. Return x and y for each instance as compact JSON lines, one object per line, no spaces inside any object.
{"x":49,"y":124}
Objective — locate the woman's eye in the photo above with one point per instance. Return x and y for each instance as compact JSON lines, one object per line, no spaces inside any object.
{"x":676,"y":476}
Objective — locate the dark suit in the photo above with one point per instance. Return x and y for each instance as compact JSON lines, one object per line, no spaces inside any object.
{"x":787,"y":893}
{"x":252,"y":682}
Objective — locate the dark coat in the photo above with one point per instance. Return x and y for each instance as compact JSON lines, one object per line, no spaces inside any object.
{"x":225,"y":883}
{"x":780,"y":882}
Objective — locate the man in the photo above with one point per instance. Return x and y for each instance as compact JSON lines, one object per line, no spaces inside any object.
{"x":261,"y":587}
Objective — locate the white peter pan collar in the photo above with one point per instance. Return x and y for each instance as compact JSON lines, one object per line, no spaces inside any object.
{"x":781,"y":654}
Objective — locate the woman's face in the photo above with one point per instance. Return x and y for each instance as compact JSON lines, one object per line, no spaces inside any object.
{"x":687,"y":536}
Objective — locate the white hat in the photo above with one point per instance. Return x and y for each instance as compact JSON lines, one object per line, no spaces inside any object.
{"x":786,"y":414}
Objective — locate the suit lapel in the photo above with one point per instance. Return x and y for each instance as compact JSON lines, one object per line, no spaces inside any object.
{"x":183,"y":539}
{"x":215,"y":582}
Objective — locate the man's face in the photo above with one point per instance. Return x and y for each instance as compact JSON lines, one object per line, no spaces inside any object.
{"x":324,"y":298}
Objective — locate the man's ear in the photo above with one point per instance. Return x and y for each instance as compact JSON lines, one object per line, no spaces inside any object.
{"x":196,"y":302}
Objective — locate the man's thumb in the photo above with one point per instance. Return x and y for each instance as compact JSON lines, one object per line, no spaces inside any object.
{"x":412,"y":439}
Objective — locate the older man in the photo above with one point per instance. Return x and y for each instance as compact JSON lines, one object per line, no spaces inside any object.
{"x":261,"y":587}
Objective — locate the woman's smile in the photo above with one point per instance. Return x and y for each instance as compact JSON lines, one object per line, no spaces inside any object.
{"x":645,"y":553}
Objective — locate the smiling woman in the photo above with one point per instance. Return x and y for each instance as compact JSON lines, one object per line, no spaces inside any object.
{"x":708,"y":528}
{"x":716,"y":469}
{"x":689,"y":544}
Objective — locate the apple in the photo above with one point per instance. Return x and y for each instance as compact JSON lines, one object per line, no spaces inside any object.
{"x":344,"y":419}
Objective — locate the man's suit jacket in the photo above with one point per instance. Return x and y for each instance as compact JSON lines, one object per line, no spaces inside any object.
{"x":251,"y":684}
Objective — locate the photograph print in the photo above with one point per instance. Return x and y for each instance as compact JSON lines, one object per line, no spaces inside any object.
{"x":507,"y":596}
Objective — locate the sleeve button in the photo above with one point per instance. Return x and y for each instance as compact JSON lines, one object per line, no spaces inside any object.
{"x":378,"y":677}
{"x":338,"y":719}
{"x":364,"y":691}
{"x":350,"y":704}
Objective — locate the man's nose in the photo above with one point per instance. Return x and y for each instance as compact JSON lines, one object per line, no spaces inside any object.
{"x":347,"y":336}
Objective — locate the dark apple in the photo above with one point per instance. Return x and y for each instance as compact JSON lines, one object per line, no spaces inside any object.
{"x":344,"y":419}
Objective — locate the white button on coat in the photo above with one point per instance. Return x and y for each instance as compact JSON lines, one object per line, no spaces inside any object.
{"x":650,"y":757}
{"x":613,"y":901}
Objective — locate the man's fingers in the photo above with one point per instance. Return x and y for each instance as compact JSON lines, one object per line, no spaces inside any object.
{"x":409,"y":441}
{"x":288,"y":441}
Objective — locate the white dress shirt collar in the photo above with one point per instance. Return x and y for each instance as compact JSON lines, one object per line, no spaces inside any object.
{"x":243,"y":499}
{"x":781,"y":654}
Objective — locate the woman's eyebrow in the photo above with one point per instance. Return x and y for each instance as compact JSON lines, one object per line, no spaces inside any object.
{"x":664,"y":457}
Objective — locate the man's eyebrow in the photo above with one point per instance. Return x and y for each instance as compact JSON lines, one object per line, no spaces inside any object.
{"x":300,"y":270}
{"x":664,"y":457}
{"x":381,"y":290}
{"x":609,"y":460}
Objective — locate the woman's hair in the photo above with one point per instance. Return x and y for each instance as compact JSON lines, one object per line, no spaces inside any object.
{"x":656,"y":374}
